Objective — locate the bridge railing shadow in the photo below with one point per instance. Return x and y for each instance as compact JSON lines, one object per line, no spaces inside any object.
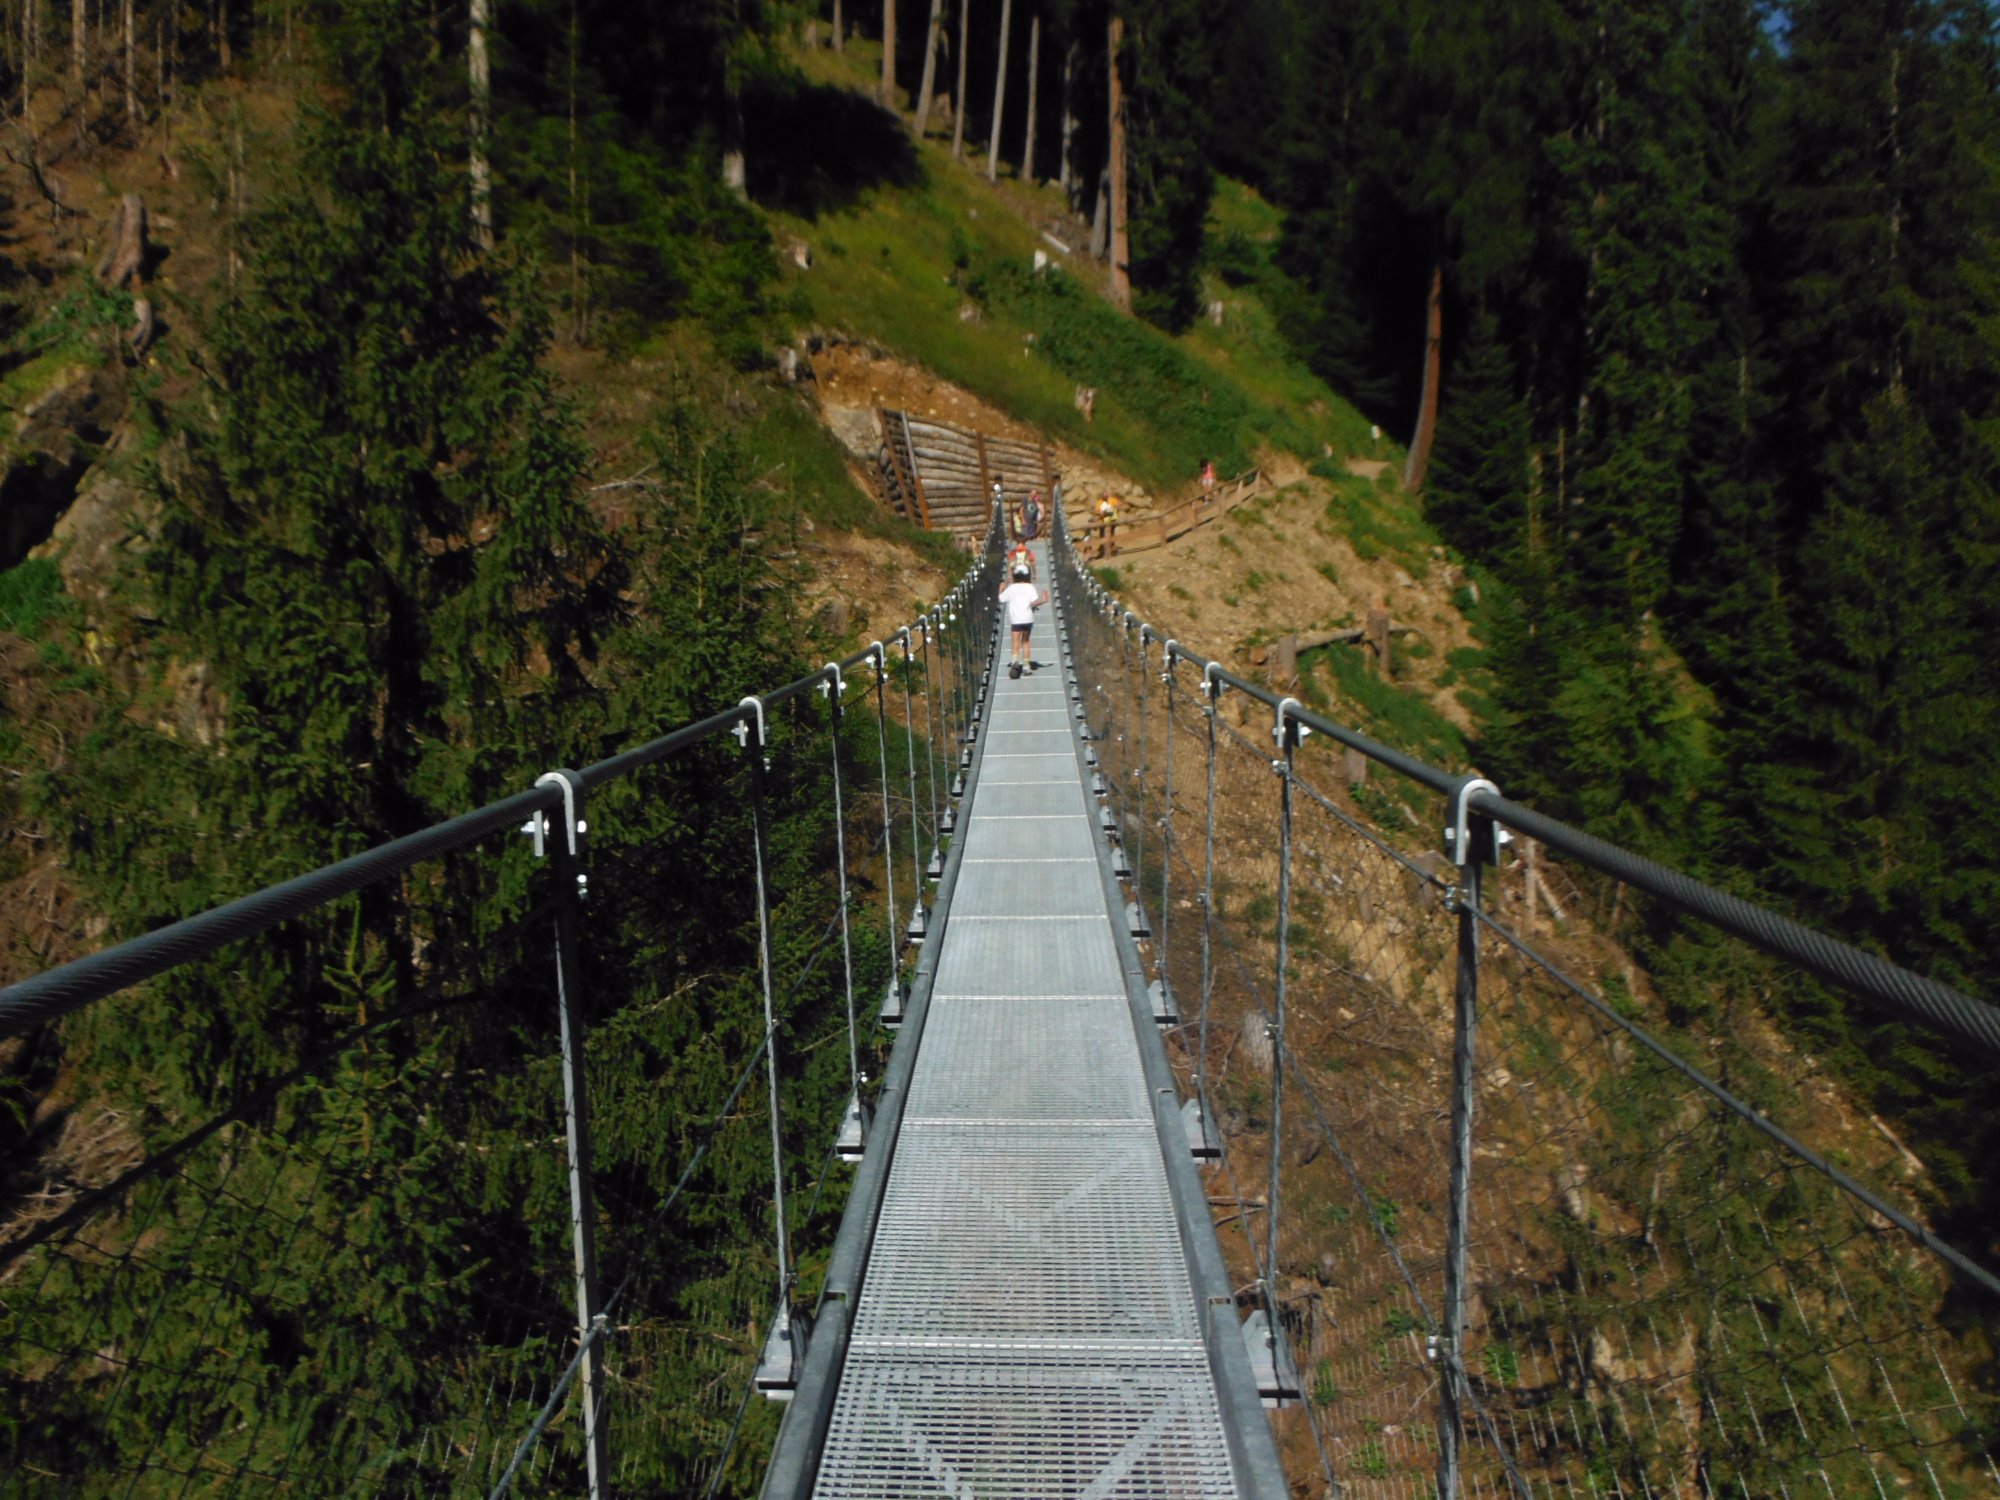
{"x":493,"y":1198}
{"x":1525,"y":1217}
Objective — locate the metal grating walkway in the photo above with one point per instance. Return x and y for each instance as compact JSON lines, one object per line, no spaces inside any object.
{"x":1028,"y":1324}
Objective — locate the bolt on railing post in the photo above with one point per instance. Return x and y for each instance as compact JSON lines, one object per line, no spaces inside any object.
{"x":566,"y":852}
{"x":1471,"y":838}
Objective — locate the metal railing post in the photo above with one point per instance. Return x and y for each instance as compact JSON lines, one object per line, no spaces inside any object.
{"x":566,"y":852}
{"x":1471,"y":838}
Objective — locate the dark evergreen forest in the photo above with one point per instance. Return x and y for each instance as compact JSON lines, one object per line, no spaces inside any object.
{"x":1688,"y":310}
{"x":1716,"y":406}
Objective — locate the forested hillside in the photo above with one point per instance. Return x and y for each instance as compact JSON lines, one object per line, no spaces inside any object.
{"x":449,"y":421}
{"x":1687,"y":311}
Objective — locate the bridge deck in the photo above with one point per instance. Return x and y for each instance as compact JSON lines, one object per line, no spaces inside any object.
{"x":1028,"y":1325}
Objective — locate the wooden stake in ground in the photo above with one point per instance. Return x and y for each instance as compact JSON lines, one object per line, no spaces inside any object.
{"x":930,"y":67}
{"x":1120,"y":248}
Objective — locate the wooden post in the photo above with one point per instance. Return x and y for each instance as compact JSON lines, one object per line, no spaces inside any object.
{"x":1284,"y":661}
{"x":986,"y":475}
{"x":1378,"y":635}
{"x":916,"y":474}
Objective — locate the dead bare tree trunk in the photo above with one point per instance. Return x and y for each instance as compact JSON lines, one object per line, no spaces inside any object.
{"x":888,"y":54}
{"x":1121,"y":247}
{"x":930,"y":67}
{"x":131,"y":88}
{"x":958,"y":99}
{"x":222,"y":55}
{"x":999,"y":95}
{"x":839,"y":26}
{"x":479,"y":72}
{"x":123,"y":263}
{"x":1427,"y":406}
{"x":1066,"y":172}
{"x":1034,"y":95}
{"x":76,"y":40}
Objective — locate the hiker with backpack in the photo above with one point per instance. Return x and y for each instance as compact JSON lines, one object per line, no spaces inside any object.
{"x":1031,"y":516}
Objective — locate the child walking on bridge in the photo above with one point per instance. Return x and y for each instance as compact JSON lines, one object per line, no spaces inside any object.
{"x":1021,"y":601}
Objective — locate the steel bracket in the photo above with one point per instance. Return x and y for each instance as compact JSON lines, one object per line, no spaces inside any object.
{"x":1471,"y":836}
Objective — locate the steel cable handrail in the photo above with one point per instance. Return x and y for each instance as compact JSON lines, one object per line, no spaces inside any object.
{"x":57,"y":992}
{"x":1475,"y":810}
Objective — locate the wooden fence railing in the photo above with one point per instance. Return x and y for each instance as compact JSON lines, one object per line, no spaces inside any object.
{"x":1097,"y":539}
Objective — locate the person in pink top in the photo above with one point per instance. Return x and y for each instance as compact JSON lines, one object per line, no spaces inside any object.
{"x":1020,"y":600}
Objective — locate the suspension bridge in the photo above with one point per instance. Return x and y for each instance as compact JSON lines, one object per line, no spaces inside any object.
{"x":1231,"y":1142}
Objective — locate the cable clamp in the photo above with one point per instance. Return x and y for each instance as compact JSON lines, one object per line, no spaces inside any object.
{"x":1212,"y":685}
{"x":537,"y":827}
{"x":742,"y":729}
{"x":1459,"y":835}
{"x":1298,"y":731}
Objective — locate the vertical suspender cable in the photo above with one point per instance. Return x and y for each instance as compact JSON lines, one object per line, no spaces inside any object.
{"x":888,"y":811}
{"x":1472,"y":840}
{"x":1166,"y":817}
{"x":1287,"y":738}
{"x":1211,"y":689}
{"x":916,"y":928}
{"x":753,"y":744}
{"x":1139,"y":800}
{"x":835,"y":687}
{"x":936,"y":867}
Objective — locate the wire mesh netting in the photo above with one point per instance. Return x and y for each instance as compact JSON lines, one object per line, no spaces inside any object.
{"x":1662,"y":1295}
{"x":325,"y":1242}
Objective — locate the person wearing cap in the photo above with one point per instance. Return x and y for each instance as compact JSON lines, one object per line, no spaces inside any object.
{"x":1021,"y":601}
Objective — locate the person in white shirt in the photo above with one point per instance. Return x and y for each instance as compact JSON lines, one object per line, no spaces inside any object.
{"x":1021,"y":602}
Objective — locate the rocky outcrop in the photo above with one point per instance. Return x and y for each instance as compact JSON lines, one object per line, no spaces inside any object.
{"x":57,"y":437}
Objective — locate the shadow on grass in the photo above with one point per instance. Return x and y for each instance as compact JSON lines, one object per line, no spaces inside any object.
{"x":814,"y":149}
